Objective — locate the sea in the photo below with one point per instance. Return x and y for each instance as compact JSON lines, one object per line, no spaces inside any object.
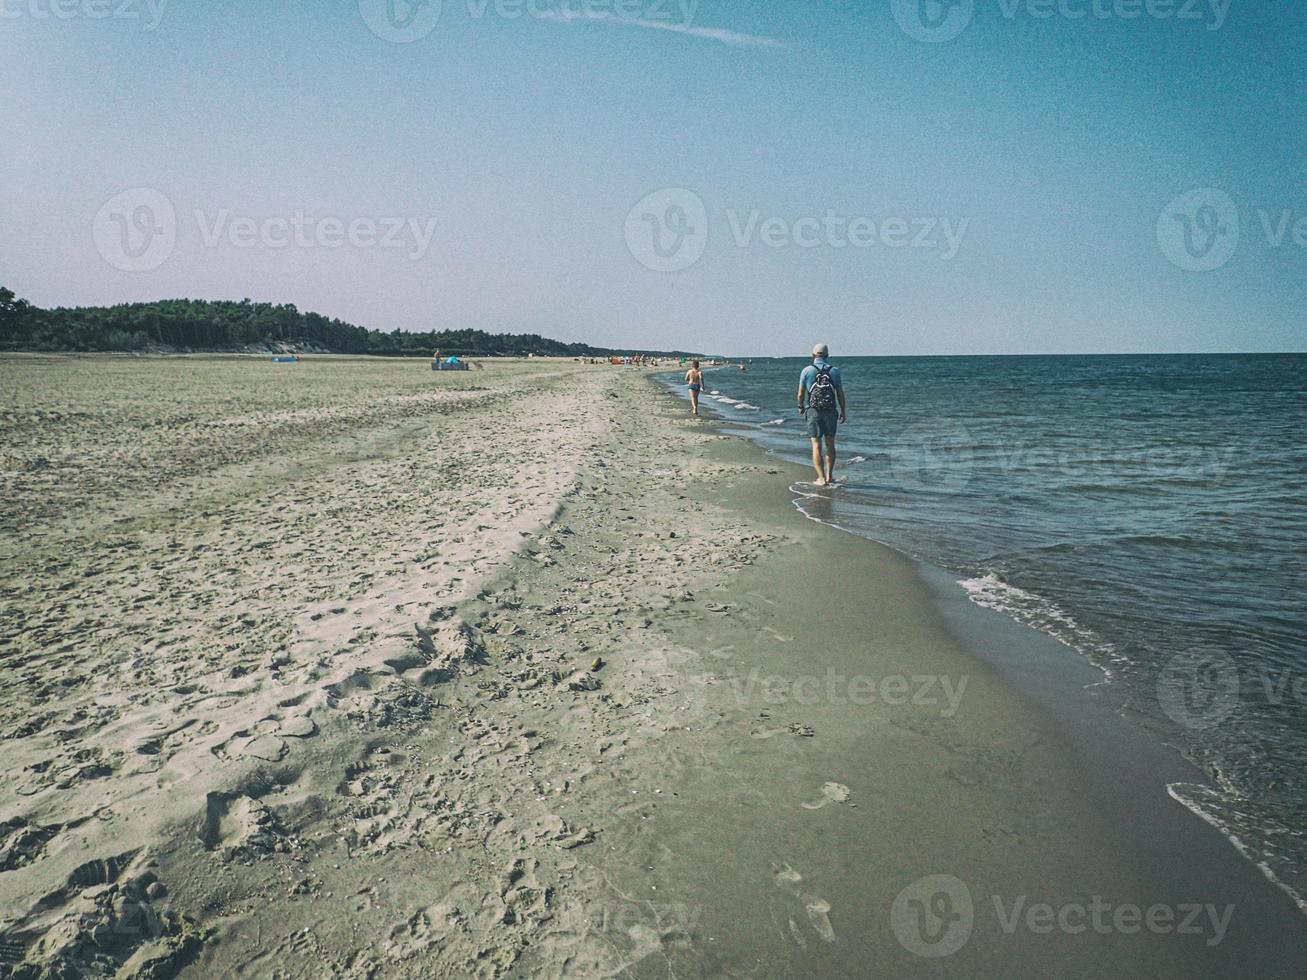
{"x":1150,"y":512}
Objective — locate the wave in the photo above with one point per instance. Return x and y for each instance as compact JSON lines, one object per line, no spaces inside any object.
{"x":1206,"y":803}
{"x":734,"y":402}
{"x":991,"y":592}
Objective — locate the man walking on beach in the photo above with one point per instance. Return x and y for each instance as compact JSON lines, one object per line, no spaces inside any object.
{"x":820,"y":390}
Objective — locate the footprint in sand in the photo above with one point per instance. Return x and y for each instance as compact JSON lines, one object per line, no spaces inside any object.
{"x":238,"y":826}
{"x":830,"y":793}
{"x":819,"y":917}
{"x":785,"y":876}
{"x":818,"y":909}
{"x":297,"y":726}
{"x":266,"y":739}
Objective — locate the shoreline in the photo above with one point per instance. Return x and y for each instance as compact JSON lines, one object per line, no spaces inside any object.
{"x":618,"y":709}
{"x":1044,"y":651}
{"x":1110,"y":743}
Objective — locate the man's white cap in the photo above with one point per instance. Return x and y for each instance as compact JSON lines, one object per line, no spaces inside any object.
{"x":820,"y":350}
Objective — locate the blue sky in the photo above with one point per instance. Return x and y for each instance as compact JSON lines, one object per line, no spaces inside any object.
{"x":490,"y":172}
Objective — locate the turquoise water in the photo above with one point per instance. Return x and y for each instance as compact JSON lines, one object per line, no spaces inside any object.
{"x":1148,"y":511}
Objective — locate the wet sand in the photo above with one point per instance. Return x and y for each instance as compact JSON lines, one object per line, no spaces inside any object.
{"x":345,"y":668}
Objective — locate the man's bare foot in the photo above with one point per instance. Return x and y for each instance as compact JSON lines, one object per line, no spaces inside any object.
{"x":819,"y":482}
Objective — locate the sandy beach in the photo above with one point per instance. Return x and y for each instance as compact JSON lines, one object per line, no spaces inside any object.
{"x":347,"y":668}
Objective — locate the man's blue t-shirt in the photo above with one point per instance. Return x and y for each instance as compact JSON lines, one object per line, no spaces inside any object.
{"x":809,"y":375}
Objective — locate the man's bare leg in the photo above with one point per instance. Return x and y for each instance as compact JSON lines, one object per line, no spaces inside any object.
{"x":816,"y":463}
{"x":830,"y":459}
{"x":694,"y":402}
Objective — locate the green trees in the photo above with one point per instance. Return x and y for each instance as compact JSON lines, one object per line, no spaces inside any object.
{"x":188,"y":324}
{"x":12,"y":312}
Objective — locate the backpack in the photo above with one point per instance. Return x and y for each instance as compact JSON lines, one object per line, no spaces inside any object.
{"x":821,"y":396}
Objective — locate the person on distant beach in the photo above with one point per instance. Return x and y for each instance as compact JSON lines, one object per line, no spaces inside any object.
{"x":694,"y":380}
{"x":820,"y":392}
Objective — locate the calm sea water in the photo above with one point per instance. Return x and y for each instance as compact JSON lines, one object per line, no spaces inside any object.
{"x":1150,"y":512}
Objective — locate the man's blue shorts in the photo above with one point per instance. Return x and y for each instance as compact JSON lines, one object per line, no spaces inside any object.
{"x":822,"y":424}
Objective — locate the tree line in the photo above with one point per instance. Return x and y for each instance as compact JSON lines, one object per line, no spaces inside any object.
{"x":206,"y":325}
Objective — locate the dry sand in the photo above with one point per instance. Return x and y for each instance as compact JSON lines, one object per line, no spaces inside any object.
{"x":351,"y":669}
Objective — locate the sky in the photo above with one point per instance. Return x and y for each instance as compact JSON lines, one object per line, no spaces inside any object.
{"x":887,"y":176}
